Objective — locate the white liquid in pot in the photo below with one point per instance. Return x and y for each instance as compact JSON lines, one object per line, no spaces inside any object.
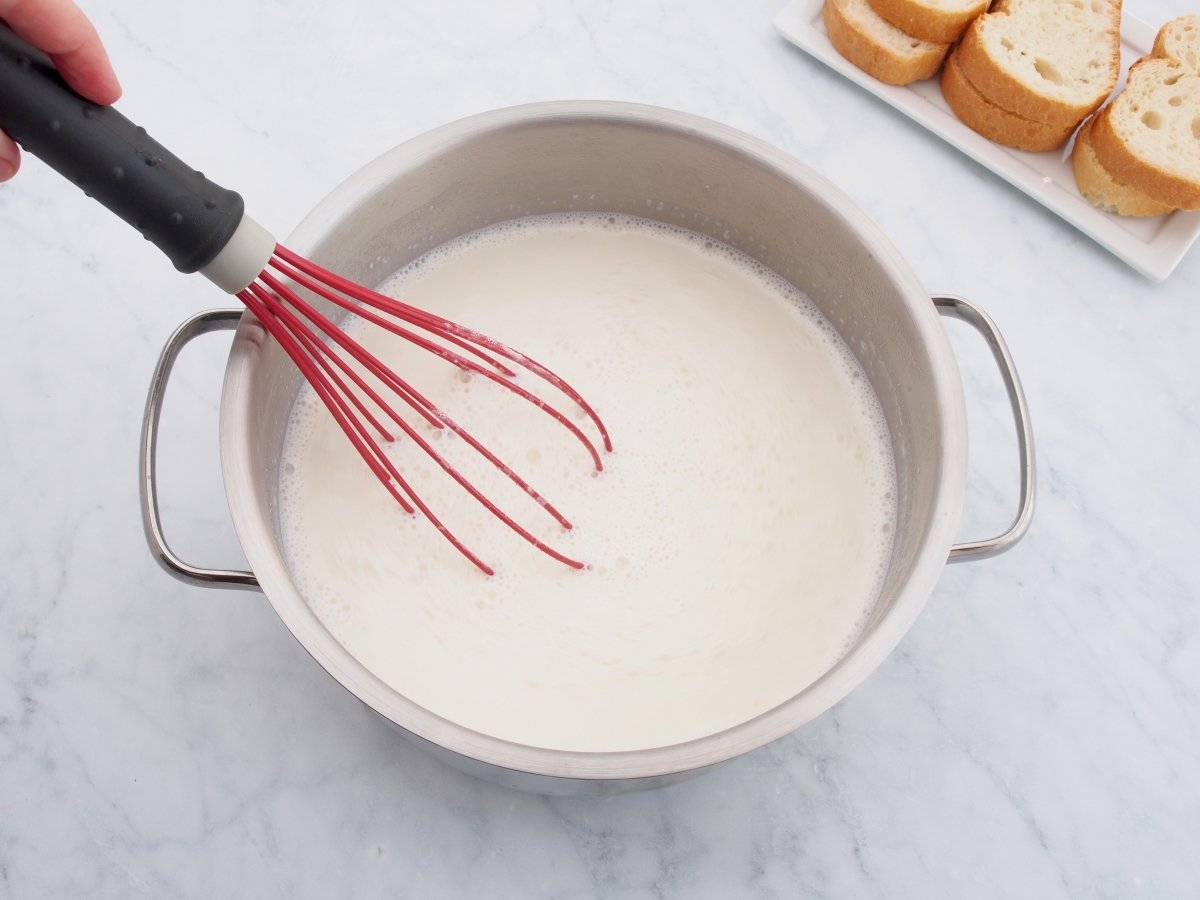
{"x":736,"y":539}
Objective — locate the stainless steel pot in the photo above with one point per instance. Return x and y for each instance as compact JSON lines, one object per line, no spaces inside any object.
{"x":661,"y":165}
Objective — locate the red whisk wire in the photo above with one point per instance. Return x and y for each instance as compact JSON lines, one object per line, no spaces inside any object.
{"x":394,"y":307}
{"x":261,"y":304}
{"x":281,"y":324}
{"x":410,"y":395}
{"x":443,"y":327}
{"x":311,"y":340}
{"x":446,"y":354}
{"x":328,"y":362}
{"x":417,"y":401}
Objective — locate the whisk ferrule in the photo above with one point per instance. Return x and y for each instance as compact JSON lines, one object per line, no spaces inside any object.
{"x":242,"y":259}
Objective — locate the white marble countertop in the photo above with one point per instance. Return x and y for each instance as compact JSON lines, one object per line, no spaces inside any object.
{"x":1035,"y":735}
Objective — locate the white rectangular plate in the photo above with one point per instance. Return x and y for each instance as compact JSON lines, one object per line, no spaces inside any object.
{"x":1153,"y":246}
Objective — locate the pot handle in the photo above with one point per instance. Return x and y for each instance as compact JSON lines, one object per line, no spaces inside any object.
{"x":965,"y":311}
{"x":201,"y":323}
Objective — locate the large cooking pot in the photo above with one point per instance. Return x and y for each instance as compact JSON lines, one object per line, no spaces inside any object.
{"x":662,"y":165}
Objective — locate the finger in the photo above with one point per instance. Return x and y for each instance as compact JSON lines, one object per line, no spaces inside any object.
{"x":10,"y":157}
{"x":61,"y":30}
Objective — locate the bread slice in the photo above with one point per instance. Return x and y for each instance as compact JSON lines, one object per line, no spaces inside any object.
{"x":1051,"y":61}
{"x":1179,"y":40}
{"x":1150,"y":135}
{"x":994,"y":123}
{"x":877,"y":47}
{"x":1101,"y":189}
{"x":939,"y":21}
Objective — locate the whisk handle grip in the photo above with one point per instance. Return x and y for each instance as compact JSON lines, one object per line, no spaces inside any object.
{"x":114,"y":161}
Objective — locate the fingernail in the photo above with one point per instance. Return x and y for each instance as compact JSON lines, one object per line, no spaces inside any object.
{"x":7,"y":170}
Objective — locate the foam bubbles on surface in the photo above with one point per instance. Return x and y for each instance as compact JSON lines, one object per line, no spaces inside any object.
{"x":736,"y":539}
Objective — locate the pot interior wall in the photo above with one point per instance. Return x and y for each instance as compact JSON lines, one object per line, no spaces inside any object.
{"x":559,"y":164}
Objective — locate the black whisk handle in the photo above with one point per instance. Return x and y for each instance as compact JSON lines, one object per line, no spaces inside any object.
{"x":114,"y":161}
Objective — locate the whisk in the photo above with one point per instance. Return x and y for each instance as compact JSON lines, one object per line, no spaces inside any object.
{"x":202,"y":227}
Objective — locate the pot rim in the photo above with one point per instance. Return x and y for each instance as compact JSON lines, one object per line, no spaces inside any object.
{"x":254,"y":530}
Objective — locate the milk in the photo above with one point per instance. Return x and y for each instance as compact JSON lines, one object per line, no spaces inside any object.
{"x":735,"y":541}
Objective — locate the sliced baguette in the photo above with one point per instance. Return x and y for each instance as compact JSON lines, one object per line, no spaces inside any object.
{"x":1149,"y":136}
{"x":1179,"y":40}
{"x":1101,"y":189}
{"x":1051,"y":61}
{"x":994,"y":123}
{"x":939,"y":21}
{"x":877,"y":47}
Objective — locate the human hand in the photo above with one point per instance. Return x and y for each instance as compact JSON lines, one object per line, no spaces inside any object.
{"x":60,"y":30}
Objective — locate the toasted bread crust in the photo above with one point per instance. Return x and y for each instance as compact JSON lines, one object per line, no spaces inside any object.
{"x":876,"y":60}
{"x":930,"y":24}
{"x":1002,"y":88}
{"x":1127,"y":167}
{"x":1099,"y":187}
{"x":993,"y":122}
